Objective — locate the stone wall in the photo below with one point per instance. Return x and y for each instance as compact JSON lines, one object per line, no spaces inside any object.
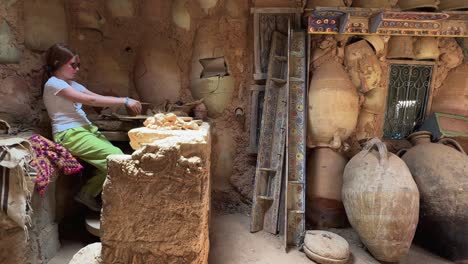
{"x":157,"y":201}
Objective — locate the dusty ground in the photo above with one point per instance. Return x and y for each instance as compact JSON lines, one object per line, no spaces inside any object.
{"x":232,"y":243}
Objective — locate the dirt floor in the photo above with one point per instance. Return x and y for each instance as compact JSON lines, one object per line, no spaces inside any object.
{"x":232,"y":243}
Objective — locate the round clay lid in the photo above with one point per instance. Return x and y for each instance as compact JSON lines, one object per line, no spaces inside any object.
{"x":326,"y":247}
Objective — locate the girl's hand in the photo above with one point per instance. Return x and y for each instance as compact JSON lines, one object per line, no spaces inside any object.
{"x":134,"y":106}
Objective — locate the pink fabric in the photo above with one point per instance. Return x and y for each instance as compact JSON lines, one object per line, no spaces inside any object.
{"x":49,"y":156}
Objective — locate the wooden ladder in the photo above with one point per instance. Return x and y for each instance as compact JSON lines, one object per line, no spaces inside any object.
{"x":269,"y":171}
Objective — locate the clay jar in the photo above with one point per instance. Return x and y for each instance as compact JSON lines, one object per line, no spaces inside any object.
{"x":418,"y":4}
{"x":400,"y":47}
{"x":382,"y":201}
{"x":453,"y":4}
{"x":452,"y":95}
{"x":426,"y":48}
{"x":216,"y":91}
{"x":45,"y":24}
{"x":363,"y":66}
{"x":157,"y":75}
{"x":369,"y":125}
{"x":441,"y":173}
{"x":324,"y":182}
{"x":374,"y":3}
{"x":333,"y":106}
{"x":325,"y":3}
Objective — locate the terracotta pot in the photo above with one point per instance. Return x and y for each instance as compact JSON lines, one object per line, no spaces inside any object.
{"x":324,"y":182}
{"x":400,"y":47}
{"x":8,"y":52}
{"x":381,"y":201}
{"x":157,"y":75}
{"x":452,"y":95}
{"x":325,"y":3}
{"x":418,"y":4}
{"x":120,"y":8}
{"x":216,"y":91}
{"x":374,"y":3}
{"x":426,"y":48}
{"x":333,"y":106}
{"x":363,"y":66}
{"x":441,"y":173}
{"x":45,"y":23}
{"x":107,"y":77}
{"x":369,"y":125}
{"x":375,"y":100}
{"x":377,"y":42}
{"x":453,"y":4}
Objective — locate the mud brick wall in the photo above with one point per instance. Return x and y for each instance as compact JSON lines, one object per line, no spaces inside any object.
{"x":157,"y":203}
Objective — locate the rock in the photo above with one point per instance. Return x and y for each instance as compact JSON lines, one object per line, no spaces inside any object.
{"x":139,"y":137}
{"x":91,"y":254}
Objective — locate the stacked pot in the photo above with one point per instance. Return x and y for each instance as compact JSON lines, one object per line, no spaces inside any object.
{"x":364,"y":68}
{"x":333,"y":112}
{"x":431,"y":5}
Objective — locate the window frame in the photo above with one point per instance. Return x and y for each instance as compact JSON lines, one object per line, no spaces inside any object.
{"x":431,"y":86}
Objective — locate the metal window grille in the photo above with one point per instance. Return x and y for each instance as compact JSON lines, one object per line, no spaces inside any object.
{"x":409,"y":89}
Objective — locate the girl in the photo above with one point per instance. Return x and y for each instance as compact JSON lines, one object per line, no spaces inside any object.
{"x":63,"y":99}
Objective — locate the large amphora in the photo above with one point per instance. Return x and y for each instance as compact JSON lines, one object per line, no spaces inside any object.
{"x":333,"y":106}
{"x":441,"y":173}
{"x":381,"y":201}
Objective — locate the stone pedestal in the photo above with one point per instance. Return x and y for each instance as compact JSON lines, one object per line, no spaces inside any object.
{"x":156,"y":203}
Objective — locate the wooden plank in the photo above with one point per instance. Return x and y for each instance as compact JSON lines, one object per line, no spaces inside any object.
{"x":296,"y":141}
{"x":264,"y":24}
{"x":270,"y":157}
{"x":257,"y":60}
{"x":254,"y":117}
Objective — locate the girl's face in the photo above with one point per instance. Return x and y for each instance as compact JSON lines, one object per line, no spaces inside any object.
{"x":68,"y":71}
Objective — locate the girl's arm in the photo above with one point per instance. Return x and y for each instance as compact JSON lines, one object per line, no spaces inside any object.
{"x":93,"y":99}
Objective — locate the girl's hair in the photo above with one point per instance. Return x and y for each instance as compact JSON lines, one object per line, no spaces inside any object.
{"x":57,"y":56}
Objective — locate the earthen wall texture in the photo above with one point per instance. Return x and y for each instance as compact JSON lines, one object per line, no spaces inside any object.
{"x":157,"y":204}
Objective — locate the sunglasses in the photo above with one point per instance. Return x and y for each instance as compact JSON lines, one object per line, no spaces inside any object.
{"x":75,"y":65}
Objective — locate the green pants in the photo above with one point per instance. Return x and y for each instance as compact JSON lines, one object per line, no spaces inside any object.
{"x":88,"y":144}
